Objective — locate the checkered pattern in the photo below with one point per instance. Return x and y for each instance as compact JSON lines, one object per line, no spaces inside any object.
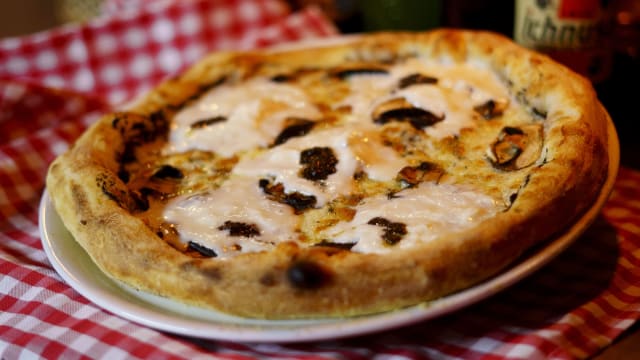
{"x":574,"y":306}
{"x":117,"y":57}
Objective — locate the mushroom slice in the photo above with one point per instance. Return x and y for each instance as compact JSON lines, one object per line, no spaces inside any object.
{"x":414,"y":175}
{"x":399,"y":109}
{"x":416,"y":79}
{"x":491,"y":108}
{"x":344,"y":73}
{"x":294,"y":127}
{"x":517,"y":147}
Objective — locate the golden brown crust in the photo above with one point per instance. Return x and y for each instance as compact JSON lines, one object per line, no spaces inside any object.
{"x":100,"y":209}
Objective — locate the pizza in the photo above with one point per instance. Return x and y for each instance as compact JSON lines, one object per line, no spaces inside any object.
{"x":353,"y":176}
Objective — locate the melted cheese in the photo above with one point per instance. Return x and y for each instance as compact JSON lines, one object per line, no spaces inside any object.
{"x":429,"y":211}
{"x":255,"y":113}
{"x":198,"y":217}
{"x":282,"y":164}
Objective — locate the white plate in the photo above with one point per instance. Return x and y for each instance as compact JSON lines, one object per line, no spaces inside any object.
{"x":76,"y":268}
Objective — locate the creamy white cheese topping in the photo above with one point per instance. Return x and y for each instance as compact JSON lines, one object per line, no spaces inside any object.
{"x":255,"y":113}
{"x":428,"y":211}
{"x":198,"y":217}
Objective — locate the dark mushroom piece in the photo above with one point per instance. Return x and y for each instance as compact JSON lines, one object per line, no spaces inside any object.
{"x":347,"y":72}
{"x":201,"y":249}
{"x":416,"y":79}
{"x":517,"y":147}
{"x":168,"y":172}
{"x":318,"y":163}
{"x":400,"y":110}
{"x":298,"y":201}
{"x":294,"y":127}
{"x":414,"y":175}
{"x":207,"y":122}
{"x":392,"y":233}
{"x":236,"y":228}
{"x":491,"y":109}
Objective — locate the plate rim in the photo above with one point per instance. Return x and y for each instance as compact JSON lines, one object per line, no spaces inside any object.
{"x":287,"y":331}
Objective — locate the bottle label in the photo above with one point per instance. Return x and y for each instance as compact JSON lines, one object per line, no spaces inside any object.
{"x":557,"y":24}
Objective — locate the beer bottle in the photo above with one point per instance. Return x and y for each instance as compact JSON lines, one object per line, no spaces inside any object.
{"x":569,"y":31}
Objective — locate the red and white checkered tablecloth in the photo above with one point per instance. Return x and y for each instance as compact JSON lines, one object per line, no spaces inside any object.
{"x":54,"y":84}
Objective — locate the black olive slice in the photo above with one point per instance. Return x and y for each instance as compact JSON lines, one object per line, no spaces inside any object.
{"x":425,"y":171}
{"x":416,"y":79}
{"x":236,"y":228}
{"x":207,"y":122}
{"x":318,"y":163}
{"x":294,"y":127}
{"x":517,"y":147}
{"x":400,"y":110}
{"x":202,"y":250}
{"x":393,"y":231}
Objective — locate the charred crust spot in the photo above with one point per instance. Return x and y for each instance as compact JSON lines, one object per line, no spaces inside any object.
{"x":425,"y":171}
{"x":207,"y":122}
{"x":213,"y":273}
{"x":335,"y":245}
{"x":294,"y":127}
{"x":307,"y":275}
{"x":298,"y":201}
{"x":124,"y":175}
{"x":116,"y":191}
{"x":80,"y":199}
{"x":318,"y":163}
{"x":128,"y":154}
{"x":236,"y":228}
{"x":202,"y":250}
{"x":108,"y":187}
{"x":168,"y":172}
{"x":268,"y":280}
{"x":344,"y":74}
{"x":137,"y":130}
{"x":140,"y":201}
{"x":490,"y":109}
{"x":416,"y":79}
{"x":393,"y":231}
{"x":83,"y":222}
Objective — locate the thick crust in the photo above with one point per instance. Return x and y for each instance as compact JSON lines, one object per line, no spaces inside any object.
{"x":98,"y":207}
